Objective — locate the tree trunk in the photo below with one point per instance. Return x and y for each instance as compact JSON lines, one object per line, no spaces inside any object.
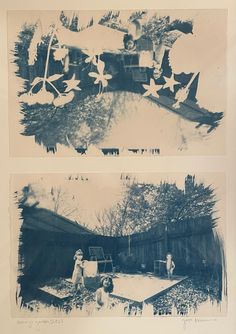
{"x":166,"y":243}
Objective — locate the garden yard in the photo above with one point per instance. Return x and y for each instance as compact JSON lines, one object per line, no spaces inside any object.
{"x":165,"y":220}
{"x":184,"y":299}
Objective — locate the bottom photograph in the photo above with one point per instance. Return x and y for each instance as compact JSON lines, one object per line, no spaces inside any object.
{"x":118,"y":244}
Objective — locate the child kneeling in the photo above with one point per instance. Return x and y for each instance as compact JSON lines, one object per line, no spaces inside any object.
{"x":103,"y":293}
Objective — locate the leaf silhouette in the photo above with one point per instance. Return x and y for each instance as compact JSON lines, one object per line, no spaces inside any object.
{"x":54,"y":77}
{"x":35,"y":42}
{"x":36,"y":81}
{"x":93,"y":74}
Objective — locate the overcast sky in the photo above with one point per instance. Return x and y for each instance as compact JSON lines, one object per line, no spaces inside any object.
{"x":92,"y":193}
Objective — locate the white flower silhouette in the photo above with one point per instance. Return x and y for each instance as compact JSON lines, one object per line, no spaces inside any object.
{"x":60,"y":53}
{"x":152,"y":89}
{"x":100,"y":76}
{"x":180,"y":96}
{"x":170,"y":83}
{"x":41,"y":97}
{"x":72,"y":84}
{"x":92,"y":56}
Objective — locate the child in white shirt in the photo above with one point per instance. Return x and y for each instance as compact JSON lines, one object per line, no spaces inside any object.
{"x":77,"y":276}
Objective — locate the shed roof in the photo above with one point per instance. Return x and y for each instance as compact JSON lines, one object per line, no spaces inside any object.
{"x":45,"y":220}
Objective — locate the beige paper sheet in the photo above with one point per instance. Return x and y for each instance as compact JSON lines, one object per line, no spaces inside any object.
{"x":190,"y":164}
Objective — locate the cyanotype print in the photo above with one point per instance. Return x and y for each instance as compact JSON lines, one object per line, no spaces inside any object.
{"x":118,"y":245}
{"x":111,"y":83}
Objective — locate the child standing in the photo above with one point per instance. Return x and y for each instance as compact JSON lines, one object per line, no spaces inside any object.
{"x":170,"y":265}
{"x":103,"y":293}
{"x":77,"y":276}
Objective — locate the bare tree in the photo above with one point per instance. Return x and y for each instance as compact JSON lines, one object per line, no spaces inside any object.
{"x":146,"y":205}
{"x":56,"y":199}
{"x":108,"y":222}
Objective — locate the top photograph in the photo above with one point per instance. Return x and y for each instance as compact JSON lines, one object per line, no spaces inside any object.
{"x":115,"y":83}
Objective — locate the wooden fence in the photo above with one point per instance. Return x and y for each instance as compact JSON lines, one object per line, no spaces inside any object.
{"x":193,"y":244}
{"x":48,"y":252}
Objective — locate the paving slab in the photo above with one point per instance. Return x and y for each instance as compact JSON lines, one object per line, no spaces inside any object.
{"x":142,"y":287}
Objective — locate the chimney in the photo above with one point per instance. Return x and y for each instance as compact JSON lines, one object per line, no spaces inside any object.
{"x":189,"y":183}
